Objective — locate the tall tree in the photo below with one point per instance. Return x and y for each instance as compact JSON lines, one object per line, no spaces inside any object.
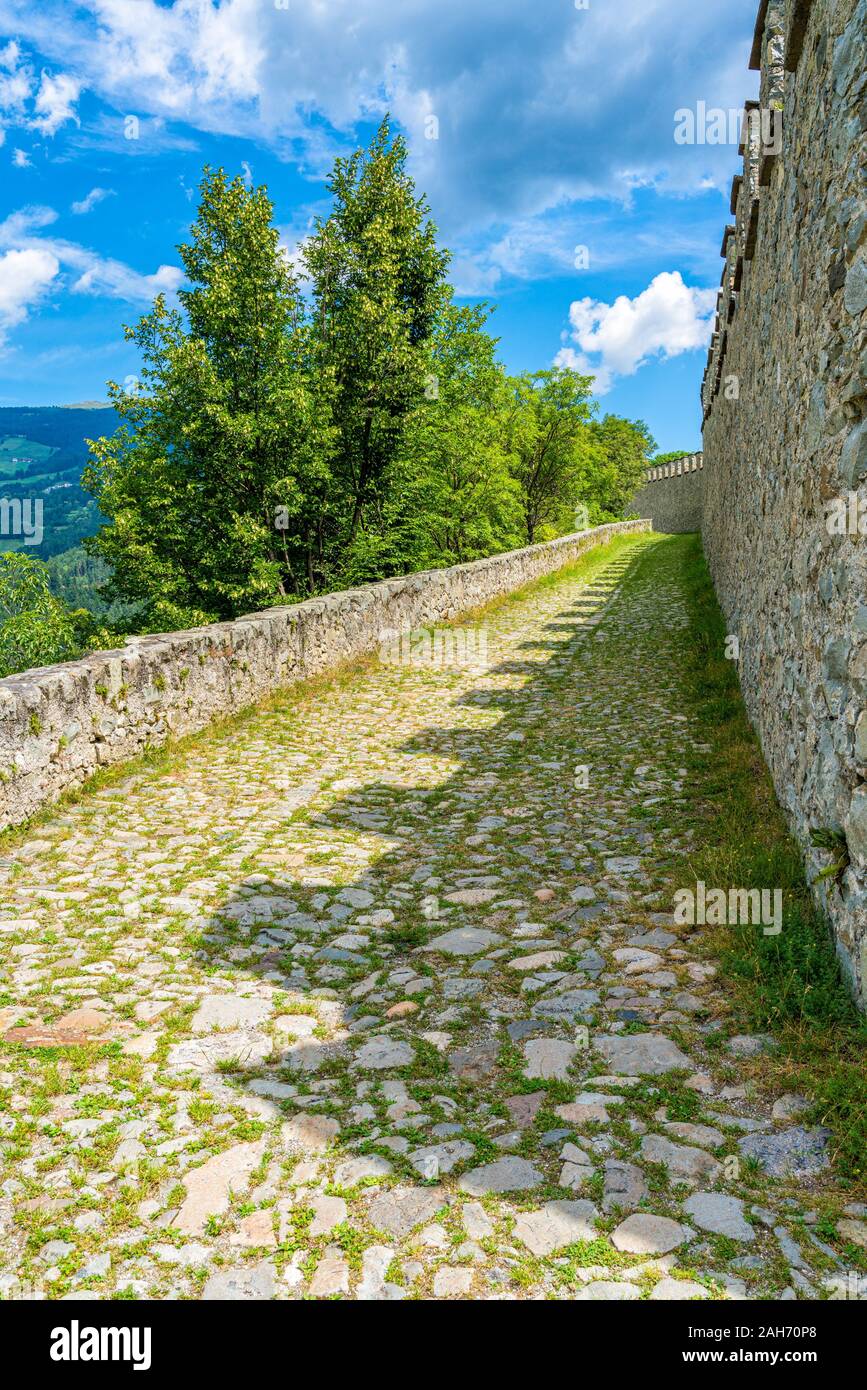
{"x":214,"y":481}
{"x":378,"y":286}
{"x":451,"y":491}
{"x":624,"y":449}
{"x":545,"y":427}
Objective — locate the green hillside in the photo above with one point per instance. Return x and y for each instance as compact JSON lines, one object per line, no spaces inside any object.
{"x":42,"y":454}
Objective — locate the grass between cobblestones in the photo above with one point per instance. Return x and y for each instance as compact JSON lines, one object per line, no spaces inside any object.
{"x":635,"y":690}
{"x":791,"y":984}
{"x":167,"y":754}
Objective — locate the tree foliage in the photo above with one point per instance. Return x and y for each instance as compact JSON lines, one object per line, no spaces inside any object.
{"x":379,"y":287}
{"x":227,"y":433}
{"x":287,"y":438}
{"x":36,"y":629}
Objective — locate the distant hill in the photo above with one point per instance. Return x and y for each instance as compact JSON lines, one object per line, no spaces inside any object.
{"x":42,"y":454}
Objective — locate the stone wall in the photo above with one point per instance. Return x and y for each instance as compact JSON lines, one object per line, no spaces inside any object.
{"x":785,"y":434}
{"x":59,"y":724}
{"x":672,"y":495}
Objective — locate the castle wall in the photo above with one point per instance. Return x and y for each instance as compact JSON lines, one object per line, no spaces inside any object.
{"x":785,"y":434}
{"x":672,"y":495}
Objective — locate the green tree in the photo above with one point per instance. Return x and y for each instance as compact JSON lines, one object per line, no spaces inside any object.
{"x":545,"y":429}
{"x":378,"y":288}
{"x":612,"y":467}
{"x":659,"y":459}
{"x":35,"y":629}
{"x":453,"y":495}
{"x":215,"y":479}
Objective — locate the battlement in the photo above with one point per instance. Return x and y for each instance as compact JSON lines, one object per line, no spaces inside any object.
{"x":690,"y":463}
{"x":672,"y":495}
{"x":769,"y":134}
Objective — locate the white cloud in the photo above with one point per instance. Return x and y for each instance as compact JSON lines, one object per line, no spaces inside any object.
{"x":603,"y":377}
{"x":15,"y":87}
{"x":16,"y":81}
{"x":96,"y":195}
{"x":44,"y":108}
{"x":537,"y":105}
{"x":120,"y":281}
{"x":84,"y":270}
{"x":25,"y":276}
{"x":21,"y":159}
{"x":612,"y":340}
{"x":55,"y":102}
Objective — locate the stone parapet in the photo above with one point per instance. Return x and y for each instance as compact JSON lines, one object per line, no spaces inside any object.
{"x":60,"y":724}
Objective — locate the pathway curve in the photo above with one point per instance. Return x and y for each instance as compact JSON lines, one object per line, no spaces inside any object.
{"x":380,"y":1000}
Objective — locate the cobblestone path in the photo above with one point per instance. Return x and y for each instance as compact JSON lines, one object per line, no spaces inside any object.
{"x":370,"y":995}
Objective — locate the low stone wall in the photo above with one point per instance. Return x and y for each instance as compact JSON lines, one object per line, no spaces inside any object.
{"x":785,"y":436}
{"x":673,"y":495}
{"x":59,"y":724}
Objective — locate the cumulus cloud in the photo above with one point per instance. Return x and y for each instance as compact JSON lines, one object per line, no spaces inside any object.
{"x":84,"y":270}
{"x":25,"y":277}
{"x":44,"y":107}
{"x":511,"y":109}
{"x":55,"y":102}
{"x":611,"y":340}
{"x":90,"y":201}
{"x":21,"y":159}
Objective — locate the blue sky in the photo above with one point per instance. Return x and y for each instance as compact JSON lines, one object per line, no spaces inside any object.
{"x":535,"y":130}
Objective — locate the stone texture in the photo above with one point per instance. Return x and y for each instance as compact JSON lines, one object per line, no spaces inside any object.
{"x":678,"y":1290}
{"x":328,"y":1212}
{"x":503,"y":1175}
{"x":224,"y":1011}
{"x":452,"y":1281}
{"x":111,"y":706}
{"x":556,"y":1224}
{"x":193,"y":891}
{"x":210,"y":1186}
{"x":641,"y":1054}
{"x":401,"y":1209}
{"x":778,"y":456}
{"x":310,"y":1133}
{"x":607,"y":1291}
{"x":796,"y":1153}
{"x":684,"y":1163}
{"x":672,"y":495}
{"x":465,"y":941}
{"x":644,"y":1234}
{"x":723,"y":1215}
{"x":624,"y":1185}
{"x":244,"y":1284}
{"x":330,"y":1277}
{"x":548,"y":1058}
{"x":384,"y":1054}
